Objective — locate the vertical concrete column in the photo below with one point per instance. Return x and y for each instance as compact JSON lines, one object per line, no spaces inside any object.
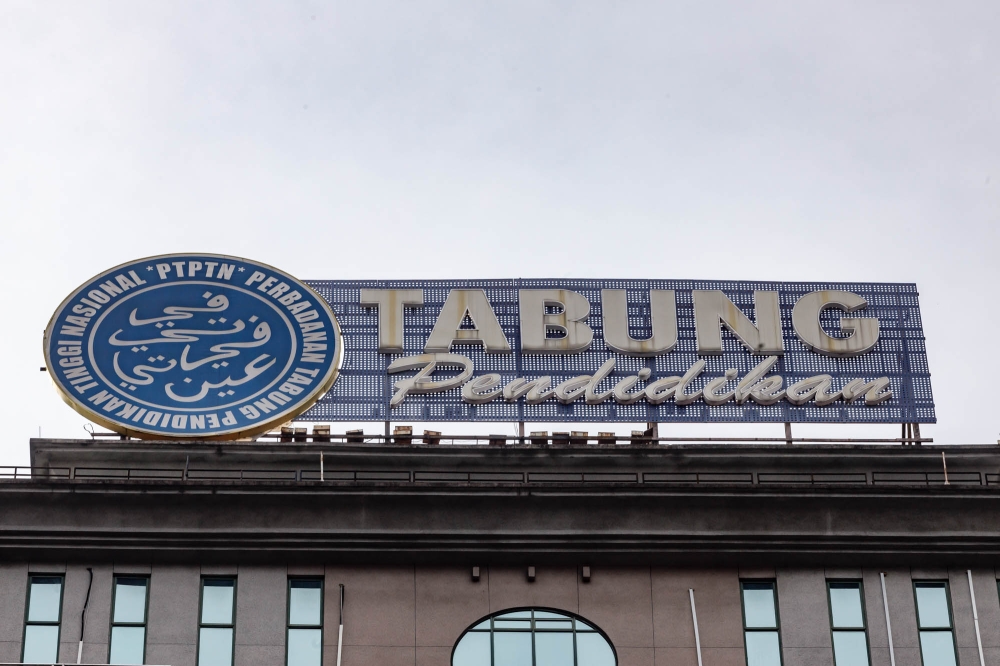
{"x":447,"y":602}
{"x":878,"y":640}
{"x":261,"y":599}
{"x":805,"y":617}
{"x":98,"y":624}
{"x":620,"y":601}
{"x":720,"y":616}
{"x":988,"y":603}
{"x":14,"y":587}
{"x":903,"y":612}
{"x":172,"y":631}
{"x":961,"y":606}
{"x":379,"y":612}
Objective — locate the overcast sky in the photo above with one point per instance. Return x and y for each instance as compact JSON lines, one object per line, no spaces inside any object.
{"x":786,"y":140}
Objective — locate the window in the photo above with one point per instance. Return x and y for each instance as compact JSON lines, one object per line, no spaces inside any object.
{"x":216,"y":622}
{"x":41,"y":620}
{"x":304,"y":646}
{"x":937,"y":640}
{"x":847,"y":622}
{"x":128,"y":620}
{"x":760,"y":623}
{"x":533,"y":637}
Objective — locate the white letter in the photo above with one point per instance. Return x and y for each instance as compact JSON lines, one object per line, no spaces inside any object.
{"x":713,"y":307}
{"x":863,"y":333}
{"x":419,"y":383}
{"x":663,"y":314}
{"x":482,"y":389}
{"x":534,"y":322}
{"x":855,"y":388}
{"x":390,"y":303}
{"x":447,"y":331}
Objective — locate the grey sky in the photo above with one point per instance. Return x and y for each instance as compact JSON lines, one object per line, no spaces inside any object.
{"x":783,"y":140}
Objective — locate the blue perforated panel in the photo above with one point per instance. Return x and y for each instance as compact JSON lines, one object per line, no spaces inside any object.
{"x":363,"y":391}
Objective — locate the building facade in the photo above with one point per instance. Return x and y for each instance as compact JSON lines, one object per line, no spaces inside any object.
{"x":511,"y":554}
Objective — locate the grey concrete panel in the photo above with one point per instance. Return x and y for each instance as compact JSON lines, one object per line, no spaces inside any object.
{"x":992,"y":656}
{"x":68,"y":650}
{"x":172,"y":654}
{"x":426,"y":656}
{"x":988,"y":603}
{"x":710,"y":656}
{"x":801,"y":656}
{"x":620,"y":602}
{"x":880,"y":656}
{"x":636,"y":656}
{"x":368,"y":655}
{"x":969,"y":656}
{"x":554,"y":587}
{"x":14,"y":588}
{"x":259,"y":655}
{"x":378,"y":606}
{"x":219,"y":569}
{"x":748,"y":573}
{"x":875,"y":610}
{"x":804,"y":610}
{"x":717,"y":598}
{"x":97,"y":653}
{"x":10,"y":651}
{"x":306,"y":570}
{"x":173,"y":605}
{"x":909,"y":656}
{"x":928,"y":573}
{"x":902,"y":610}
{"x":261,"y":603}
{"x":133,"y":568}
{"x":447,"y":602}
{"x":675,"y":656}
{"x":961,"y":610}
{"x":47,"y":567}
{"x":843,"y":573}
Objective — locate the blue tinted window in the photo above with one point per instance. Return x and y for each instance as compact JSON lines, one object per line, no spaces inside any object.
{"x":304,"y":636}
{"x":533,"y":638}
{"x":847,"y":620}
{"x":217,"y":622}
{"x":760,"y":623}
{"x":42,"y":617}
{"x":128,"y":620}
{"x":937,"y":639}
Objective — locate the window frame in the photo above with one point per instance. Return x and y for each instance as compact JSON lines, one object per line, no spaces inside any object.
{"x":544,"y":609}
{"x":288,"y":612}
{"x":36,"y":623}
{"x":951,"y":615}
{"x":864,"y":614}
{"x":145,"y":612}
{"x":210,"y":625}
{"x":777,"y":617}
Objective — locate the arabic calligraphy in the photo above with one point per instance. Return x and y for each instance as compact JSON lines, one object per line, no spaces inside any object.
{"x":156,"y":347}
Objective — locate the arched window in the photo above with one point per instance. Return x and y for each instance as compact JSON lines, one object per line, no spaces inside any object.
{"x":533,"y":637}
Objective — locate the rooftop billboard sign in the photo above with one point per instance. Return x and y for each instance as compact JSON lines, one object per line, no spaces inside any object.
{"x":628,"y":351}
{"x":225,"y":347}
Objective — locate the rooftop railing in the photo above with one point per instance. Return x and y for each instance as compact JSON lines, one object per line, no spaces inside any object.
{"x":314,"y":475}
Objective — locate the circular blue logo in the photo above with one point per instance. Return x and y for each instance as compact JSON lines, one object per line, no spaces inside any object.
{"x":193,"y":346}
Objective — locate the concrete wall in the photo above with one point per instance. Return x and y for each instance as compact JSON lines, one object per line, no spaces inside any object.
{"x":414,"y":615}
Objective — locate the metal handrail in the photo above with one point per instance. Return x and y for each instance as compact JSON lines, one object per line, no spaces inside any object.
{"x":187,"y":474}
{"x":927,"y":478}
{"x":16,"y":472}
